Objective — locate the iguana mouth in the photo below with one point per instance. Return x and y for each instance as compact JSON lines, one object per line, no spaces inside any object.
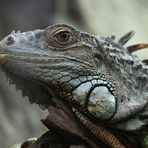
{"x":44,"y":59}
{"x":18,"y":51}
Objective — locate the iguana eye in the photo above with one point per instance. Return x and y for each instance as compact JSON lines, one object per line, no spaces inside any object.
{"x":60,"y":37}
{"x":63,"y":37}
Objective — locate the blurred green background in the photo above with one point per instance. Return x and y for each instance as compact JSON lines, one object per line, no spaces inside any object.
{"x":19,"y":120}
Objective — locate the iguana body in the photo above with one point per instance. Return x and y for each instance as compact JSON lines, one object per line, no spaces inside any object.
{"x":102,"y":83}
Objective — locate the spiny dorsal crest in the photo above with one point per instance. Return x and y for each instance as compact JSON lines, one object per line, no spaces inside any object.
{"x":133,"y":70}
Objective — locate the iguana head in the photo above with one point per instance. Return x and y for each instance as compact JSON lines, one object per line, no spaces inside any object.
{"x":92,"y":74}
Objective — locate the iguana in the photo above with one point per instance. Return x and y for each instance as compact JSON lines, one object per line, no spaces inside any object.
{"x":103,"y":84}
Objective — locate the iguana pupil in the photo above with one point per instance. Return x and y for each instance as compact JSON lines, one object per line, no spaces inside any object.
{"x":63,"y":36}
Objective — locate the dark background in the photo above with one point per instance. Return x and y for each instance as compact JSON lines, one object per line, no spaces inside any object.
{"x":19,"y":120}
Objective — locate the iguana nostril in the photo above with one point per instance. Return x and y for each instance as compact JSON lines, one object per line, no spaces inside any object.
{"x":10,"y":40}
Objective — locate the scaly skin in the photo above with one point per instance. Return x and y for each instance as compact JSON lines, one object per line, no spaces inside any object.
{"x":95,"y":76}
